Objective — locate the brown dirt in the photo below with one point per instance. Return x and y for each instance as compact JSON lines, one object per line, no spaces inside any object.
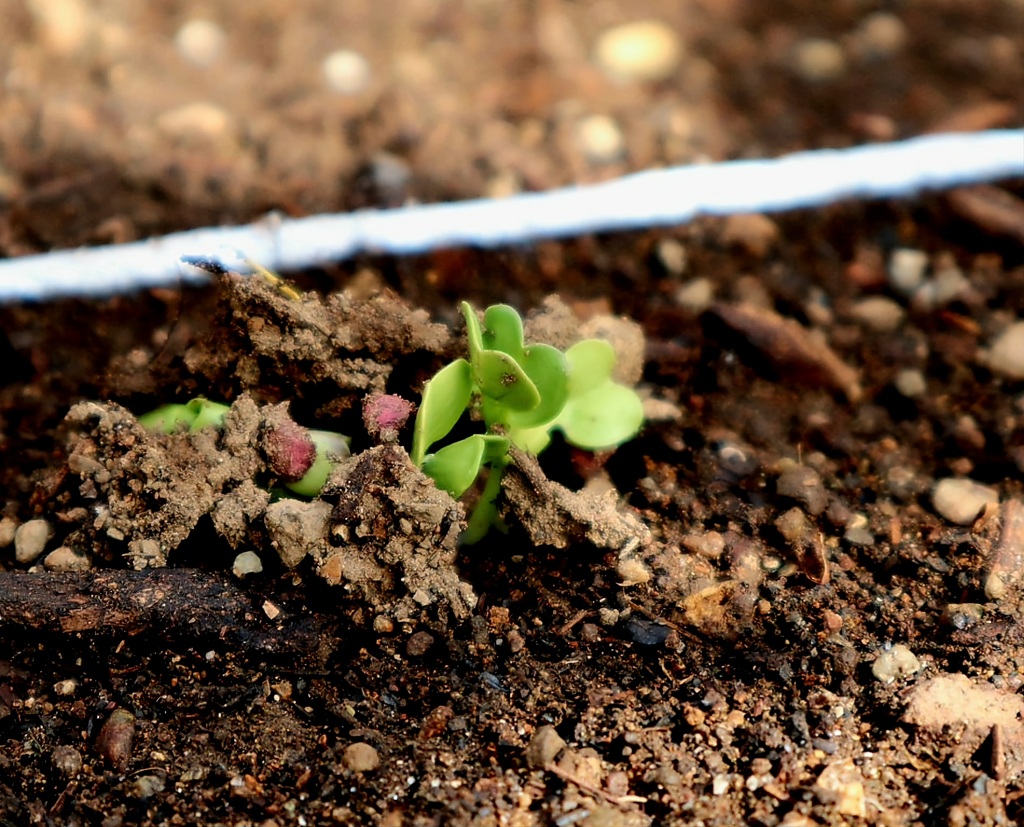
{"x":753,"y":613}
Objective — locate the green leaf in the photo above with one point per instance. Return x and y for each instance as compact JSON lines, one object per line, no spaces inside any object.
{"x":474,"y":335}
{"x":503,"y":330}
{"x":603,"y":417}
{"x":455,"y":466}
{"x":207,"y":414}
{"x":591,"y":363}
{"x":501,"y":378}
{"x":445,"y":397}
{"x":549,"y":371}
{"x":168,"y":418}
{"x":329,"y":445}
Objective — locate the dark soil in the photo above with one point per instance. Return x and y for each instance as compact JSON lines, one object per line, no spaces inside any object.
{"x":757,"y":612}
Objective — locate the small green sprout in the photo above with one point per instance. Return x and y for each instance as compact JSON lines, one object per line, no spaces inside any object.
{"x":301,"y":457}
{"x":522,"y":393}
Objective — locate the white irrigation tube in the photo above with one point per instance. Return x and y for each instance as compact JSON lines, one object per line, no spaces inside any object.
{"x":647,"y":199}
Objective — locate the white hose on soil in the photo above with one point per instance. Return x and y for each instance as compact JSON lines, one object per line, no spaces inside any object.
{"x":655,"y":198}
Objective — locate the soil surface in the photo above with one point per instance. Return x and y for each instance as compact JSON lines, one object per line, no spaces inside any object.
{"x":795,"y":599}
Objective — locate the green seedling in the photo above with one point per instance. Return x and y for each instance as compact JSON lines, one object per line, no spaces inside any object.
{"x":522,"y":393}
{"x":299,"y":457}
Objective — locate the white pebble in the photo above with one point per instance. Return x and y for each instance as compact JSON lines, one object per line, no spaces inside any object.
{"x":897,"y":662}
{"x":906,"y":269}
{"x":30,"y":540}
{"x":878,"y":313}
{"x":947,"y":285}
{"x":818,"y":60}
{"x":200,"y":42}
{"x":67,"y":559}
{"x":672,"y":255}
{"x":961,"y":500}
{"x":600,"y":139}
{"x":911,"y":383}
{"x":881,"y":35}
{"x":195,"y":120}
{"x":8,"y":526}
{"x":645,"y":50}
{"x":248,"y":562}
{"x":1006,"y":356}
{"x":346,"y":72}
{"x":696,"y":295}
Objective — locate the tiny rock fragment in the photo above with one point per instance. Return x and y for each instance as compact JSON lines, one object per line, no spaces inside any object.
{"x":66,"y":558}
{"x":818,"y":60}
{"x":200,"y":42}
{"x":803,"y":484}
{"x":248,"y":562}
{"x":794,"y":349}
{"x":544,"y":747}
{"x":906,"y":269}
{"x":30,"y":539}
{"x":645,"y":50}
{"x":67,"y":760}
{"x":754,"y":232}
{"x":961,"y":500}
{"x":271,"y":610}
{"x":360,"y":757}
{"x":878,"y":313}
{"x":419,"y":644}
{"x":1005,"y":567}
{"x":1006,"y":356}
{"x":347,"y":72}
{"x":600,"y":139}
{"x":897,"y":662}
{"x":8,"y":528}
{"x":841,"y":785}
{"x":114,"y":742}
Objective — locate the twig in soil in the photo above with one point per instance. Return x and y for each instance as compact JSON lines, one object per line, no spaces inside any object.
{"x":640,"y":201}
{"x":617,"y":800}
{"x":173,"y":604}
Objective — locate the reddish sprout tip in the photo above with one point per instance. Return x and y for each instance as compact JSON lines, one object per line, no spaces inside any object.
{"x":289,"y":450}
{"x":384,"y":415}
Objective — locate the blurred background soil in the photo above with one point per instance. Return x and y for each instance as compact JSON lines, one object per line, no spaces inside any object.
{"x":120,"y":120}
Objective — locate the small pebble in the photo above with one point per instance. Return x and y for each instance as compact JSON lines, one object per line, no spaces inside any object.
{"x":672,"y":255}
{"x":200,"y":42}
{"x":818,"y":60}
{"x":544,"y":746}
{"x":1006,"y":356}
{"x":66,"y":558}
{"x":911,"y":383}
{"x":961,"y":500}
{"x":360,"y":757}
{"x":116,"y":737}
{"x":30,"y":539}
{"x":793,"y":526}
{"x":645,"y":50}
{"x":881,"y":35}
{"x":8,"y":526}
{"x":897,"y":662}
{"x":146,"y":786}
{"x":66,"y":688}
{"x":419,"y":644}
{"x":878,"y":313}
{"x":67,"y":760}
{"x":757,"y":234}
{"x":346,"y":72}
{"x":906,"y":269}
{"x":600,"y":139}
{"x":946,"y":286}
{"x":195,"y":120}
{"x":248,"y":562}
{"x":804,"y":485}
{"x":696,"y":295}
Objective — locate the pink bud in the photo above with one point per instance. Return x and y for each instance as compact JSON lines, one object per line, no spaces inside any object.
{"x":384,"y":415}
{"x":289,"y":450}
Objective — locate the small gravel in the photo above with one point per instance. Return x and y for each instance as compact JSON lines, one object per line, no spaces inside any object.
{"x":8,"y":526}
{"x":600,"y":139}
{"x":248,"y":562}
{"x":881,"y":35}
{"x":645,"y":50}
{"x":878,"y":313}
{"x":66,"y":558}
{"x":30,"y":539}
{"x":897,"y":662}
{"x":347,"y":72}
{"x":817,"y":60}
{"x":696,"y":295}
{"x":360,"y":757}
{"x":804,"y":485}
{"x":906,"y":269}
{"x":200,"y":42}
{"x":1006,"y":356}
{"x":544,"y":746}
{"x":911,"y":383}
{"x":961,"y":500}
